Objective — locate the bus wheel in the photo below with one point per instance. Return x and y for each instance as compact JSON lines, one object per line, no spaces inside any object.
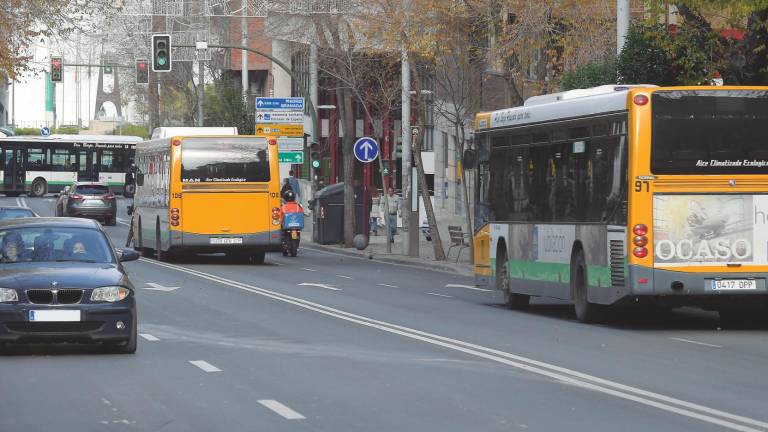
{"x":258,"y":257}
{"x":39,"y":188}
{"x":161,"y":254}
{"x":586,"y":312}
{"x":511,"y":300}
{"x":144,"y":251}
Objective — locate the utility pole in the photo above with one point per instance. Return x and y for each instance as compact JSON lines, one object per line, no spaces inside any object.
{"x":244,"y":42}
{"x":622,"y":24}
{"x":200,"y":91}
{"x":313,"y":96}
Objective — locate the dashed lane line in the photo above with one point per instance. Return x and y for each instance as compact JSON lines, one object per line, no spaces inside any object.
{"x":149,"y":337}
{"x":388,"y":285}
{"x":469,"y":287}
{"x":281,"y":409}
{"x":439,"y":295}
{"x":695,"y":342}
{"x":204,"y":365}
{"x":308,"y":269}
{"x":344,"y":277}
{"x":564,"y":375}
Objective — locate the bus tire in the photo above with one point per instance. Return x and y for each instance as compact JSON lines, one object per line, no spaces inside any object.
{"x":258,"y":257}
{"x":39,"y":188}
{"x":162,"y":255}
{"x":586,"y":312}
{"x":144,"y":251}
{"x":512,"y":300}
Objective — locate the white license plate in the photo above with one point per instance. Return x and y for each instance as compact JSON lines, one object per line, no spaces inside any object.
{"x":92,"y":202}
{"x":226,"y":240}
{"x":734,"y":284}
{"x":54,"y":315}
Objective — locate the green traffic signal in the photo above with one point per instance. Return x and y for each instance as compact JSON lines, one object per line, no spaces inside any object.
{"x":315,"y":164}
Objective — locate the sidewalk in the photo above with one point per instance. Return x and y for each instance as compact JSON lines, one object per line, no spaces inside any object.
{"x":377,"y":250}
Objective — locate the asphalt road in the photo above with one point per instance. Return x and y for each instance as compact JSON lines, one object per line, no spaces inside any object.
{"x":324,"y":342}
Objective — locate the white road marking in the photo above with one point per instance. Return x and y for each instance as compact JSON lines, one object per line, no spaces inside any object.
{"x":308,"y":269}
{"x":326,"y":286}
{"x":18,"y":202}
{"x":439,"y":295}
{"x":469,"y":287}
{"x":559,"y":373}
{"x":23,"y":202}
{"x":387,"y":285}
{"x":277,"y":263}
{"x":344,"y":277}
{"x":157,"y":287}
{"x":281,"y":409}
{"x":149,"y":337}
{"x":121,"y":220}
{"x":696,"y":342}
{"x":204,"y":365}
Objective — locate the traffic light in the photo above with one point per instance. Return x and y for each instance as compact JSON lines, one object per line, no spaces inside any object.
{"x":314,"y":155}
{"x":399,"y":148}
{"x":161,"y":53}
{"x":107,"y":70}
{"x":142,"y":71}
{"x":57,"y":69}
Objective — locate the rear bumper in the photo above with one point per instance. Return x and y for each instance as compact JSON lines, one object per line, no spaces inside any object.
{"x":267,"y":241}
{"x":687,"y":288}
{"x":98,"y":323}
{"x":107,"y":210}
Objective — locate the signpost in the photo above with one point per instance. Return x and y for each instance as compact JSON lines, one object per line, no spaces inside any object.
{"x":283,"y":118}
{"x":366,"y":149}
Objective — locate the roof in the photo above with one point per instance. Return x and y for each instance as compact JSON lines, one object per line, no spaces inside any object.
{"x":116,"y":139}
{"x":64,"y":222}
{"x":167,"y":132}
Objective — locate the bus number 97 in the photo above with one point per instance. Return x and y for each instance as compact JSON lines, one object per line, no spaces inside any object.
{"x":639,"y":185}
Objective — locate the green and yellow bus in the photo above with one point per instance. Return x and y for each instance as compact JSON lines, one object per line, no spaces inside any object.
{"x":622,"y":195}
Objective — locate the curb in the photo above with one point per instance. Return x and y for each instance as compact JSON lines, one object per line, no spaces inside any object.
{"x":392,"y":259}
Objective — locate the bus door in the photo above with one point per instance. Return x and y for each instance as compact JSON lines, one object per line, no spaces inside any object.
{"x":14,"y":175}
{"x":85,"y":166}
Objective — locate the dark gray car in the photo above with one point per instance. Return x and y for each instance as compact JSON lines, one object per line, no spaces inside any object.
{"x":88,"y":199}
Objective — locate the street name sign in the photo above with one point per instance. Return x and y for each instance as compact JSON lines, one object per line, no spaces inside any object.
{"x":284,"y":104}
{"x":288,"y":144}
{"x":366,"y":149}
{"x":286,"y":130}
{"x":282,"y":117}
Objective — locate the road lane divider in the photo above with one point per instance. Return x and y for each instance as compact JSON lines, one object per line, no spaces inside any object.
{"x":439,"y":295}
{"x":281,"y":409}
{"x":568,"y":376}
{"x":469,"y":287}
{"x":695,"y":342}
{"x":344,"y":277}
{"x":388,"y":286}
{"x":204,"y":365}
{"x":319,"y":285}
{"x":149,"y":337}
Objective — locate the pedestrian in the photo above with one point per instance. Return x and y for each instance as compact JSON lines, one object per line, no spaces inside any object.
{"x":375,"y":204}
{"x":294,"y":182}
{"x":393,"y":202}
{"x":286,"y":187}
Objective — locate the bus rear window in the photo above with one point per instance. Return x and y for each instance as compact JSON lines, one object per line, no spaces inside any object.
{"x":227,"y":159}
{"x":92,"y":189}
{"x":709,"y":132}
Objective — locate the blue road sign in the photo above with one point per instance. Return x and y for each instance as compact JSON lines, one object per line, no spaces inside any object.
{"x":366,"y":149}
{"x":267,"y":103}
{"x":44,"y":131}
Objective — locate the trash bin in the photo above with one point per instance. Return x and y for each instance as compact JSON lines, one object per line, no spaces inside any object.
{"x":328,"y":214}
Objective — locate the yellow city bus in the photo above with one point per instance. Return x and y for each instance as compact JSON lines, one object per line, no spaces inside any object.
{"x":207,"y":194}
{"x":627,"y":195}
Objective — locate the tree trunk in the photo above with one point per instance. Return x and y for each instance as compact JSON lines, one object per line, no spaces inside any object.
{"x":470,"y":228}
{"x":437,"y":243}
{"x":348,"y":126}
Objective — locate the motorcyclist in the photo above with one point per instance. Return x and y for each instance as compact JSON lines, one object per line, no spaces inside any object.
{"x":293,"y":221}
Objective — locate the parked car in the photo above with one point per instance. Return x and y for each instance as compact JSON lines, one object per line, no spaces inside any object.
{"x":88,"y":199}
{"x":61,"y":281}
{"x":15,"y":212}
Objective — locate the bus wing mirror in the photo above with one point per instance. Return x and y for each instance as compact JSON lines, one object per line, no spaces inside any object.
{"x":129,"y":210}
{"x":140,"y":179}
{"x":469,"y":159}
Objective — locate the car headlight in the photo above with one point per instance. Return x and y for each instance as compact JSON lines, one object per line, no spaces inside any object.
{"x":8,"y":295}
{"x":109,"y":294}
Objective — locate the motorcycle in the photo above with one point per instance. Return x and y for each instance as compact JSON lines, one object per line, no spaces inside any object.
{"x":293,"y":223}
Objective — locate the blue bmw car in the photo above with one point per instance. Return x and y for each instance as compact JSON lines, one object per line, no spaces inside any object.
{"x":62,"y":281}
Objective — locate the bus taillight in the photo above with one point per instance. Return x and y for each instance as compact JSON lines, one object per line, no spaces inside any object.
{"x":640,"y":240}
{"x":641,"y":99}
{"x":175,"y":217}
{"x":276,"y":216}
{"x":640,"y":229}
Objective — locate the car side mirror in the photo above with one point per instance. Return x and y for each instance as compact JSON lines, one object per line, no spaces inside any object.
{"x":140,"y":179}
{"x":126,"y":254}
{"x":129,"y":209}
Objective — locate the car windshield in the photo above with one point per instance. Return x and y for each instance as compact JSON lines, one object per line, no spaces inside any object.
{"x":15,"y":213}
{"x":92,"y":189}
{"x":53,"y":244}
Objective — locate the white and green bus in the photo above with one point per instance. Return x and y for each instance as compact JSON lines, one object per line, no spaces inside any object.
{"x":36,"y":165}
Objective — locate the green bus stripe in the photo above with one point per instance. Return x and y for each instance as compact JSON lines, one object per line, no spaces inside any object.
{"x":597,"y":275}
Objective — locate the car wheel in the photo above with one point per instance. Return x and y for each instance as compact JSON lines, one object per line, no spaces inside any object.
{"x":512,"y":300}
{"x":129,"y":346}
{"x":39,"y":188}
{"x":586,"y":312}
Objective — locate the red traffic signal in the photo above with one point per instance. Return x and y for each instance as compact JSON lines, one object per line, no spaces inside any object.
{"x":57,"y":69}
{"x":142,"y":71}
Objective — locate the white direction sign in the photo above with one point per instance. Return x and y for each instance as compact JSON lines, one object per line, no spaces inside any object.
{"x":290,"y":144}
{"x":366,"y":149}
{"x":282,"y":117}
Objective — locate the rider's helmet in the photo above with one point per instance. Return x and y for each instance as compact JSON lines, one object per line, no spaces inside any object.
{"x":289,"y":196}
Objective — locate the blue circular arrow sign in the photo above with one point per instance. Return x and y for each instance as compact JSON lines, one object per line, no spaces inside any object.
{"x":366,"y":149}
{"x":44,"y":131}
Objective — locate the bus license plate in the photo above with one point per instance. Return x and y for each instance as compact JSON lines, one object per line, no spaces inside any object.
{"x":226,"y":240}
{"x":733,"y":284}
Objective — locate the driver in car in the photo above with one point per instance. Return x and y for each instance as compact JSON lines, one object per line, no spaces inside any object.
{"x":13,"y":248}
